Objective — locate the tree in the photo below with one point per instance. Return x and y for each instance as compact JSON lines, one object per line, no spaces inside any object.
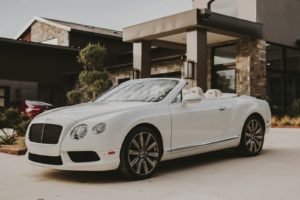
{"x":94,"y":78}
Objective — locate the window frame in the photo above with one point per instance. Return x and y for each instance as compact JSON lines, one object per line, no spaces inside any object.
{"x":222,"y":67}
{"x":284,"y":71}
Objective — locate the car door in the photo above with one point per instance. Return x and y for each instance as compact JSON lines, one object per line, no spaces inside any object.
{"x":197,"y":123}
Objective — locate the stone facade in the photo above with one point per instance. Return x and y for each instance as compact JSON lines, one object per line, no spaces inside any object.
{"x":251,"y":68}
{"x":163,"y":67}
{"x":41,"y":32}
{"x":118,"y":74}
{"x":251,"y":74}
{"x":166,"y":67}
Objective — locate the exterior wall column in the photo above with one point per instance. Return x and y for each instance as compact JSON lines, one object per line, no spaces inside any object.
{"x":196,"y":51}
{"x":251,"y":77}
{"x":142,"y":58}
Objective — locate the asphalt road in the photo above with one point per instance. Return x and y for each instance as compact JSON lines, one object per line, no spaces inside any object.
{"x":274,"y":175}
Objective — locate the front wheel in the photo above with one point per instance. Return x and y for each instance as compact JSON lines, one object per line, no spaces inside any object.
{"x":252,"y":139}
{"x":140,"y":154}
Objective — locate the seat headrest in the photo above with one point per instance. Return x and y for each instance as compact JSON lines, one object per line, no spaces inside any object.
{"x":213,"y":93}
{"x":194,"y":90}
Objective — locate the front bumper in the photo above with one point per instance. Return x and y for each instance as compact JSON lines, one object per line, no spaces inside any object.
{"x":108,"y":161}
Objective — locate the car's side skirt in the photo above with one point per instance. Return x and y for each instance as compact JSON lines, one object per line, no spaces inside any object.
{"x":193,"y":147}
{"x":201,"y":148}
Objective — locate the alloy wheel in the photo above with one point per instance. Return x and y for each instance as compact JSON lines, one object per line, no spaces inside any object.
{"x":254,"y":136}
{"x":143,"y":153}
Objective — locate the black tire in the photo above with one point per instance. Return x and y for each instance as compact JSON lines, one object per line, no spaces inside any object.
{"x":252,"y":138}
{"x":139,"y":159}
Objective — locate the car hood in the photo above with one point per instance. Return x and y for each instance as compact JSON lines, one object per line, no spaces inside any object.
{"x":89,"y":110}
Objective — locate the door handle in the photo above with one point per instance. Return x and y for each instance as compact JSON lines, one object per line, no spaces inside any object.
{"x":222,"y":108}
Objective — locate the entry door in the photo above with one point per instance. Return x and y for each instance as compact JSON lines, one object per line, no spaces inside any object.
{"x":198,"y":123}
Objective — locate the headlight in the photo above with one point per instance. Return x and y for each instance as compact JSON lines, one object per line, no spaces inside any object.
{"x":99,"y":128}
{"x":79,"y":132}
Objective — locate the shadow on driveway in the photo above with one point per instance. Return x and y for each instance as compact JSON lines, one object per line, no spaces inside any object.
{"x":165,"y":168}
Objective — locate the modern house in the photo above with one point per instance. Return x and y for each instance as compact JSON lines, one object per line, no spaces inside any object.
{"x":248,"y":47}
{"x":41,"y":62}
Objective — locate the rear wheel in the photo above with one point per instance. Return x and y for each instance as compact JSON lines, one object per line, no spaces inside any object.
{"x":252,"y":139}
{"x":140,"y":154}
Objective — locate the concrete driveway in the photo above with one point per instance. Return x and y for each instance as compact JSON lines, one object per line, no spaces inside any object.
{"x":275,"y":174}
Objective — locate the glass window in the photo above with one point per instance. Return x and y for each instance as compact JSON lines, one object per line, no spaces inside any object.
{"x":293,"y":60}
{"x":224,"y":68}
{"x":276,"y":91}
{"x":225,"y":55}
{"x":274,"y":56}
{"x":226,"y":80}
{"x":283,"y":79}
{"x":293,"y":94}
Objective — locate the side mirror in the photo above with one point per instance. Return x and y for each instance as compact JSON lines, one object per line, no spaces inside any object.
{"x":191,"y":97}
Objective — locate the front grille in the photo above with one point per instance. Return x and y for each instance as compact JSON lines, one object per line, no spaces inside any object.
{"x":49,"y":160}
{"x":83,"y":156}
{"x":45,"y":133}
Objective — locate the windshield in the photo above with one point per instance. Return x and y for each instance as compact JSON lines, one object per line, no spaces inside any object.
{"x":147,"y":91}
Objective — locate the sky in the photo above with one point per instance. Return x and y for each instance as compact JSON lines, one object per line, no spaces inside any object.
{"x":111,"y":14}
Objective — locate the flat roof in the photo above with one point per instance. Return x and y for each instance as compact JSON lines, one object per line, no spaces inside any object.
{"x":191,"y":19}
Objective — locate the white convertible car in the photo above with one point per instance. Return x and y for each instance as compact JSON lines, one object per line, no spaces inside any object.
{"x":141,"y":122}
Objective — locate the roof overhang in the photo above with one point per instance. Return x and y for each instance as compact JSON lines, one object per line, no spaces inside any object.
{"x":35,"y":44}
{"x":192,"y":19}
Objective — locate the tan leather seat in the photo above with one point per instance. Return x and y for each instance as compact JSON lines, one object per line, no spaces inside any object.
{"x":213,"y":93}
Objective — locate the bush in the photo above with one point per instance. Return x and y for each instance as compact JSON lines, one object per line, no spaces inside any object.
{"x":285,"y":121}
{"x":12,"y":119}
{"x":7,"y":138}
{"x":94,"y":78}
{"x":294,"y":108}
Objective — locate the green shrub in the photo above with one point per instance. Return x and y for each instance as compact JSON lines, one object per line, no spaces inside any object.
{"x":14,"y":120}
{"x":285,"y":121}
{"x":6,"y":138}
{"x":94,"y":79}
{"x":294,"y":108}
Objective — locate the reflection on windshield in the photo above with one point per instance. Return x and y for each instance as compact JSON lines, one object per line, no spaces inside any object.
{"x":148,"y":91}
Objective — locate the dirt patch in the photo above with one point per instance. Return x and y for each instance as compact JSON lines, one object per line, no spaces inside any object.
{"x":13,"y":149}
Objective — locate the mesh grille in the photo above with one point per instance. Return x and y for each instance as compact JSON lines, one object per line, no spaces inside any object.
{"x":45,"y":133}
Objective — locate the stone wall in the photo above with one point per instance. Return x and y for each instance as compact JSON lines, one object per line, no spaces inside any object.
{"x":121,"y":73}
{"x":162,"y":67}
{"x":251,"y":68}
{"x":41,"y":32}
{"x":166,"y":67}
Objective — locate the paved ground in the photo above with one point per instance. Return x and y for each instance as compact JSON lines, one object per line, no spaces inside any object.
{"x":274,"y":175}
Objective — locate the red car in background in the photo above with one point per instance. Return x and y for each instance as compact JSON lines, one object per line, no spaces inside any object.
{"x":33,"y":108}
